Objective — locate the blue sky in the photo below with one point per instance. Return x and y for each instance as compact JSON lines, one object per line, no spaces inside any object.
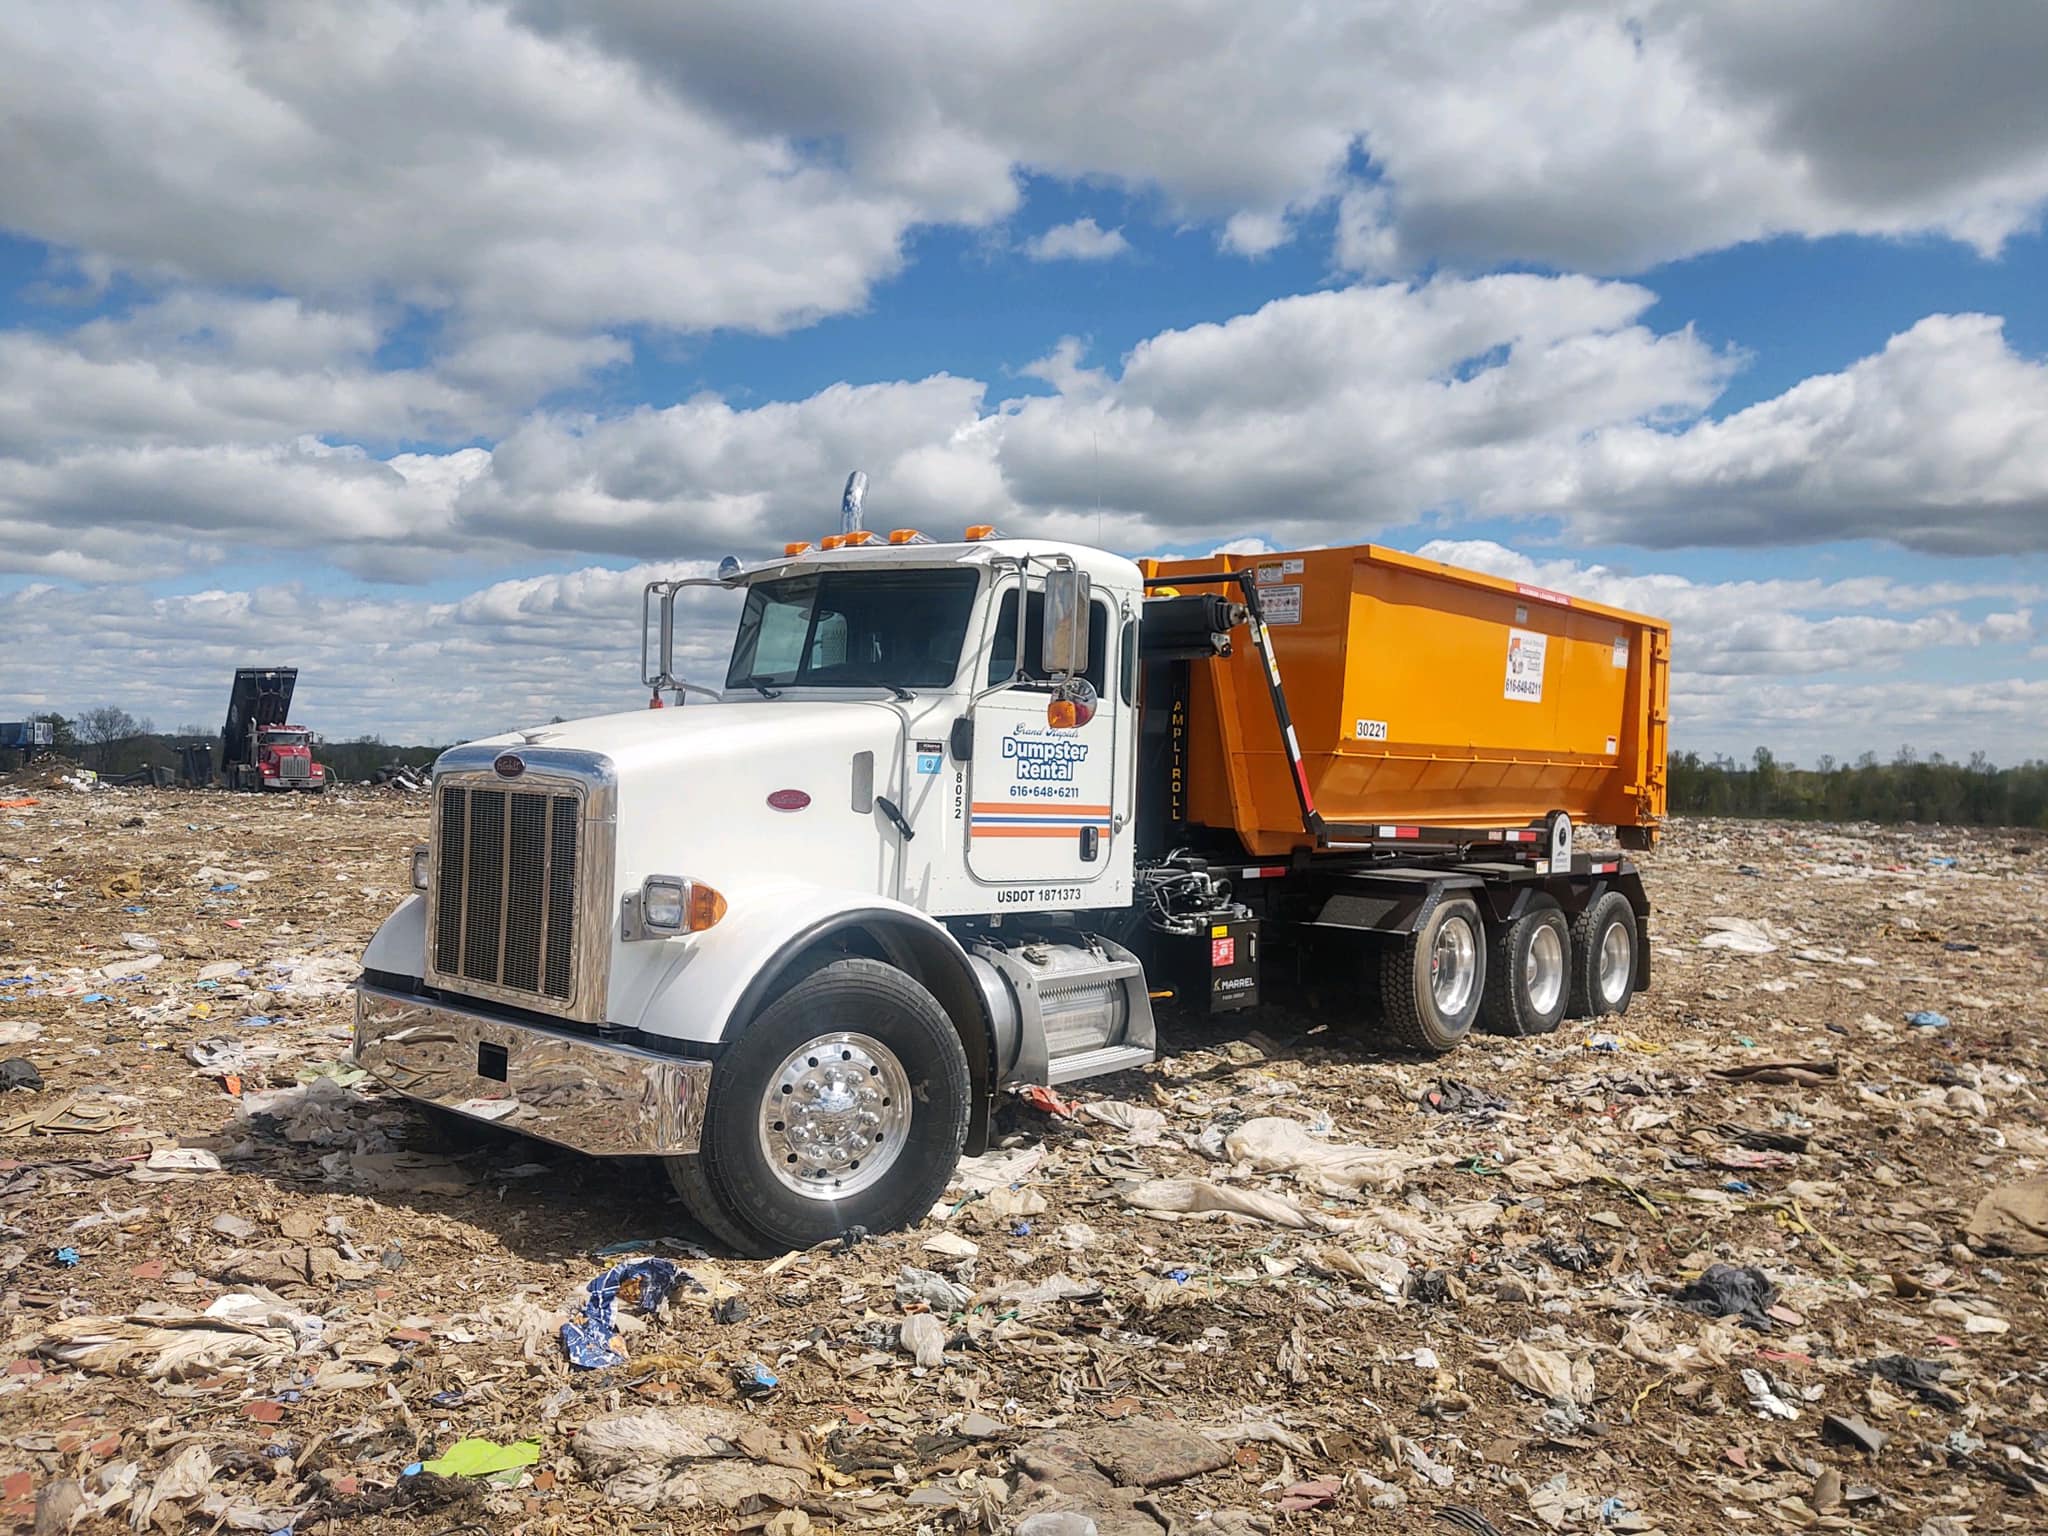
{"x":410,"y":338}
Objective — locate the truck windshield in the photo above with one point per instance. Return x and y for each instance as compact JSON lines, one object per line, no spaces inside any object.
{"x":281,"y":738}
{"x":853,"y":628}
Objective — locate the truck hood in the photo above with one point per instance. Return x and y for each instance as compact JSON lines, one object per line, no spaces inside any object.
{"x":798,"y":739}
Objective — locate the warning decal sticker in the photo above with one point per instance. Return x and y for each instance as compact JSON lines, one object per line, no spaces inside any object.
{"x":1282,"y":604}
{"x":1525,"y":666}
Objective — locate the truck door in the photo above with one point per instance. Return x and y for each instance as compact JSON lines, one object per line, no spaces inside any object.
{"x":1042,"y":797}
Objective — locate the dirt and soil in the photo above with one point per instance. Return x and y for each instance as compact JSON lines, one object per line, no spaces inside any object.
{"x":1460,"y":1290}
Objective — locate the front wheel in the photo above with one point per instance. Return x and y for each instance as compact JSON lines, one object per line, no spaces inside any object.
{"x":843,"y":1104}
{"x":1432,"y":982}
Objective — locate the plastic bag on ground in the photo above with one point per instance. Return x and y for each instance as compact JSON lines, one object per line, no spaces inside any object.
{"x":1140,"y":1124}
{"x":1199,"y":1199}
{"x":1724,"y":1290}
{"x":1276,"y":1145}
{"x":699,"y":1457}
{"x":1743,"y":935}
{"x":185,"y":1478}
{"x":2012,"y":1218}
{"x":172,"y":1347}
{"x":483,"y":1458}
{"x":923,"y":1336}
{"x":1551,"y":1374}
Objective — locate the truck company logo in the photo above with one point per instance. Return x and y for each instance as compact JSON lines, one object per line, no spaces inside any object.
{"x":1525,"y":666}
{"x":1053,"y":760}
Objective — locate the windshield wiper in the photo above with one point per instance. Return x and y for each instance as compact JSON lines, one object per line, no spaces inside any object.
{"x":762,"y":688}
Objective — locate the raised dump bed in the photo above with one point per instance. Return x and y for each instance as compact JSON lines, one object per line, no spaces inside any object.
{"x":1424,"y":695}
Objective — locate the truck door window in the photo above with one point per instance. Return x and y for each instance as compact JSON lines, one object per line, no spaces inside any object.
{"x":1002,"y":660}
{"x":854,"y":628}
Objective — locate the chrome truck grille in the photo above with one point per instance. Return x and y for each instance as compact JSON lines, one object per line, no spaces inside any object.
{"x":519,"y":895}
{"x":292,"y":768}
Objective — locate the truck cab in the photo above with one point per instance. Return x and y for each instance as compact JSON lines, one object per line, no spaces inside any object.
{"x":893,"y":814}
{"x":284,"y":759}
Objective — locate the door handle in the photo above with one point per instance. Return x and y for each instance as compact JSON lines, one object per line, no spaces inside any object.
{"x":888,"y":808}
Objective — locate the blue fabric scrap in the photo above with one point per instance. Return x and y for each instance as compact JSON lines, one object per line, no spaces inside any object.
{"x":645,"y":1283}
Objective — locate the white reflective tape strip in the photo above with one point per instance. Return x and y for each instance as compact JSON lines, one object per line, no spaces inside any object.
{"x":1293,"y":746}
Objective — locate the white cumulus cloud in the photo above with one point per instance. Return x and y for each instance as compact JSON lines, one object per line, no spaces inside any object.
{"x":1077,"y":240}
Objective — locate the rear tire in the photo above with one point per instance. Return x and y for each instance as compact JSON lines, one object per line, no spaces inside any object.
{"x":843,"y":1104}
{"x":1604,"y":940}
{"x":1432,"y":982}
{"x":1529,"y":969}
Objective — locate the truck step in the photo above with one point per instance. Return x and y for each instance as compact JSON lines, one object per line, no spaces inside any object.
{"x":1102,"y":1060}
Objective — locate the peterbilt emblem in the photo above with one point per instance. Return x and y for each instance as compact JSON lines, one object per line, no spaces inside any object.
{"x":509,"y":765}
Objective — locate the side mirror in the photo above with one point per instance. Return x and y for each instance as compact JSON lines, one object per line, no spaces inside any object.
{"x":1063,"y":646}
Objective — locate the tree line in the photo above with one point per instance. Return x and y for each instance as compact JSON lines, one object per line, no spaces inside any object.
{"x":108,"y":739}
{"x":1908,"y":788}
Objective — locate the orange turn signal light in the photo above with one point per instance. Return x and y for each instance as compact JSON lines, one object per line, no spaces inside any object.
{"x":832,"y":541}
{"x":702,"y":908}
{"x":981,"y":531}
{"x":1066,"y":714}
{"x":907,"y":536}
{"x":796,"y":546}
{"x":857,"y":536}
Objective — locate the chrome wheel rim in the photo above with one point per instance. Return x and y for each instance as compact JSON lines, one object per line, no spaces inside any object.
{"x":1543,"y":969}
{"x":836,"y":1115}
{"x":1453,"y":966}
{"x":1617,"y":962}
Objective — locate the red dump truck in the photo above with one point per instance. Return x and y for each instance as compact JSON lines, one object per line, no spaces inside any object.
{"x":259,"y":746}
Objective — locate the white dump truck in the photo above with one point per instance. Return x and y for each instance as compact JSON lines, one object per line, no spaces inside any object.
{"x":962,"y":812}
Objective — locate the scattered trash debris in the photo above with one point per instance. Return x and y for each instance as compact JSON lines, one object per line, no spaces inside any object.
{"x":1476,"y":1294}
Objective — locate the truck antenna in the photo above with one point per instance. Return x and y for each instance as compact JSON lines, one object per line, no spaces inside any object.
{"x":850,"y":502}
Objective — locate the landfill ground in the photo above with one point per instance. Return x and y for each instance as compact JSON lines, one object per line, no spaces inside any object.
{"x":244,"y":1291}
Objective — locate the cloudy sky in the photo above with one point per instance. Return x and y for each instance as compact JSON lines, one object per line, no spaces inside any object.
{"x":403,"y":341}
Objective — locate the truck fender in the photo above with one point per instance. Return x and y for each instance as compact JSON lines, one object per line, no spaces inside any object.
{"x":773,"y":938}
{"x":1391,"y":901}
{"x":399,"y":947}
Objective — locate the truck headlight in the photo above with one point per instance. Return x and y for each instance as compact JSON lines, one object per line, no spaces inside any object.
{"x":421,"y":863}
{"x":674,"y":904}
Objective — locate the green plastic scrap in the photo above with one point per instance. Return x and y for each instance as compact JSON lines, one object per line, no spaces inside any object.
{"x":484,"y":1458}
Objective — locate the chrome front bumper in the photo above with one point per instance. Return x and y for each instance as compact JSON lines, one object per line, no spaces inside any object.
{"x":605,"y":1099}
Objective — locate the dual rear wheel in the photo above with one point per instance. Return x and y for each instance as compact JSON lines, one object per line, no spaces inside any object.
{"x":1521,"y":977}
